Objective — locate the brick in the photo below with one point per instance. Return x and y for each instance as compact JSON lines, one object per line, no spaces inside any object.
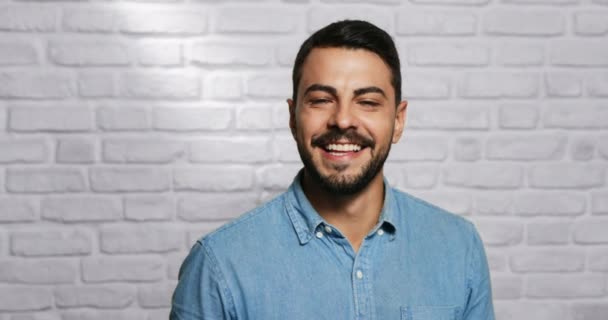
{"x":213,"y":178}
{"x":493,"y":204}
{"x":549,"y":204}
{"x":518,"y":116}
{"x":525,"y":147}
{"x":36,"y":85}
{"x":579,"y":53}
{"x":455,"y":202}
{"x":224,"y":87}
{"x":548,"y":233}
{"x":582,"y":148}
{"x":281,"y":117}
{"x":421,"y":176}
{"x":140,"y":239}
{"x":542,"y":2}
{"x":90,"y":20}
{"x":565,"y":286}
{"x":53,"y":119}
{"x":256,"y":20}
{"x":160,"y":54}
{"x":99,"y":53}
{"x":547,"y":260}
{"x":269,"y":85}
{"x":231,"y":150}
{"x":590,"y":23}
{"x":38,"y":271}
{"x":3,"y":118}
{"x":191,"y":119}
{"x":40,"y":315}
{"x":597,"y":85}
{"x":231,"y":54}
{"x":175,"y":260}
{"x":458,"y":54}
{"x":164,"y":22}
{"x":520,"y":54}
{"x":149,"y":208}
{"x":497,"y":261}
{"x":583,"y":116}
{"x":17,"y":54}
{"x":453,"y":2}
{"x":419,"y":148}
{"x":36,"y":243}
{"x":599,"y":202}
{"x":524,"y":23}
{"x":590,"y":231}
{"x":287,"y":149}
{"x":598,"y":259}
{"x":160,"y":86}
{"x":500,"y":232}
{"x":506,"y":287}
{"x":254,"y":118}
{"x":14,"y":209}
{"x":491,"y":175}
{"x":426,"y":86}
{"x":602,"y":146}
{"x":127,"y":314}
{"x":435,"y":23}
{"x":319,"y":17}
{"x":142,"y":151}
{"x":498,"y":85}
{"x":33,"y":18}
{"x":96,"y":85}
{"x":589,"y":310}
{"x":467,"y":149}
{"x":571,"y":176}
{"x":81,"y":209}
{"x":38,"y":180}
{"x":123,"y":118}
{"x":561,"y":84}
{"x":120,"y":269}
{"x":452,"y":116}
{"x":158,"y":313}
{"x":75,"y":151}
{"x":23,"y":150}
{"x":18,"y":298}
{"x":129,"y":179}
{"x":155,"y":296}
{"x":521,"y":309}
{"x":277,"y":177}
{"x":94,"y":296}
{"x":286,"y":51}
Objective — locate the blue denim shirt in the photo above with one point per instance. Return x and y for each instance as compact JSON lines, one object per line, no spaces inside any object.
{"x":284,"y":261}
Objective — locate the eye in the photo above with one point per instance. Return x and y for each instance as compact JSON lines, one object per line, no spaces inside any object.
{"x":369,"y":103}
{"x":319,"y":101}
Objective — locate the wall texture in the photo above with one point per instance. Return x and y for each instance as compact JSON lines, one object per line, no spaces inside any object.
{"x":128,"y":129}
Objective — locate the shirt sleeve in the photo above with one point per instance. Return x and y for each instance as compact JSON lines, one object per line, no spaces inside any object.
{"x":479,"y":304}
{"x":201,"y":292}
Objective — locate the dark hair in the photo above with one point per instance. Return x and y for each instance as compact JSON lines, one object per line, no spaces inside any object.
{"x":351,"y":34}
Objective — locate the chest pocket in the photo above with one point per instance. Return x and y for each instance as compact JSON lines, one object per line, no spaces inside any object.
{"x":429,"y":313}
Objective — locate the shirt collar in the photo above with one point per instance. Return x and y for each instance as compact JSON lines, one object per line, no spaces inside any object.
{"x":306,"y":219}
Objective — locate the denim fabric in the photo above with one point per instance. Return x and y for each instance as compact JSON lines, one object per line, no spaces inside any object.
{"x":283,"y":261}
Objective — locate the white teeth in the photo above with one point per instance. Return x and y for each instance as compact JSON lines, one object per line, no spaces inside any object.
{"x":344,"y":147}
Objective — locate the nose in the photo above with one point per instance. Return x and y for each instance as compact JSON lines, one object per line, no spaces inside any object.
{"x":343,"y":117}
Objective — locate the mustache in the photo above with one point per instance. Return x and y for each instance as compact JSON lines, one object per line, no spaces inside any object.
{"x":350,"y":136}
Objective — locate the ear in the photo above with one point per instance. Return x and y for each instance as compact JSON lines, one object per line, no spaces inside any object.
{"x":399,"y":120}
{"x":292,"y":116}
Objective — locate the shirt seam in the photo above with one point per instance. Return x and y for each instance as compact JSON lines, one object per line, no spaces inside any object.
{"x":225,"y":289}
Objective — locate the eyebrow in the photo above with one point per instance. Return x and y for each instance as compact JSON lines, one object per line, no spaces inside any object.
{"x":331,"y":90}
{"x":372,"y":89}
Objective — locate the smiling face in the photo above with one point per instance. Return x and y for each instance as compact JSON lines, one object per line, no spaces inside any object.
{"x":345,"y":119}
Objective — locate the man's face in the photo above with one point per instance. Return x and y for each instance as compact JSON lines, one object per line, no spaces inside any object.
{"x":345,"y":119}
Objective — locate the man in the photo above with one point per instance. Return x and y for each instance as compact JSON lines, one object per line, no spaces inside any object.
{"x":340,"y":243}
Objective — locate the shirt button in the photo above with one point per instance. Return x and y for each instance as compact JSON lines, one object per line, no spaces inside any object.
{"x":359,"y":274}
{"x":380,"y":232}
{"x":328,"y":229}
{"x":319,"y":234}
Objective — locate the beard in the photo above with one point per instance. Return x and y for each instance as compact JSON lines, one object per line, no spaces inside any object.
{"x":338,"y":184}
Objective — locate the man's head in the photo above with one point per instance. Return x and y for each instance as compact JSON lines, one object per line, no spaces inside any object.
{"x":346,"y":109}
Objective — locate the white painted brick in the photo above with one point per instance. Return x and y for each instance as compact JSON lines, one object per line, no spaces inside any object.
{"x":549,"y":203}
{"x":590,"y":310}
{"x":533,"y":309}
{"x":548,"y":233}
{"x":590,"y":231}
{"x":24,"y":298}
{"x":453,"y":2}
{"x":598,"y":259}
{"x":548,"y":260}
{"x":123,"y":118}
{"x":54,"y":119}
{"x":269,"y":85}
{"x":39,"y":271}
{"x":142,"y":150}
{"x":562,"y":84}
{"x":579,"y":53}
{"x":140,"y":239}
{"x":281,"y":117}
{"x":435,"y":22}
{"x":213,"y":178}
{"x":81,"y":209}
{"x":455,"y":202}
{"x":164,"y":22}
{"x":155,"y":296}
{"x":96,"y":85}
{"x":91,"y":314}
{"x":191,"y":119}
{"x":34,"y":18}
{"x":319,"y":17}
{"x":120,"y":269}
{"x":159,"y":85}
{"x":562,"y":115}
{"x":418,"y":85}
{"x":599,"y":202}
{"x":3,"y":118}
{"x":37,"y":180}
{"x":506,"y":287}
{"x":231,"y":54}
{"x":23,"y":150}
{"x":40,"y":315}
{"x":287,"y":149}
{"x":36,"y":85}
{"x":524,"y":22}
{"x":542,"y":2}
{"x":565,"y":286}
{"x":500,"y":232}
{"x":249,"y":19}
{"x":223,"y":87}
{"x":490,"y":175}
{"x":591,"y":23}
{"x":467,"y":149}
{"x":160,"y":54}
{"x":17,"y":53}
{"x":149,"y":208}
{"x":597,"y":85}
{"x":94,"y":296}
{"x":421,"y":176}
{"x":254,"y":118}
{"x":14,"y":209}
{"x":497,"y":261}
{"x":498,"y":85}
{"x":419,"y":148}
{"x":90,"y":20}
{"x":582,"y":148}
{"x":129,"y":179}
{"x":74,"y":150}
{"x":571,"y":176}
{"x":286,"y":51}
{"x":227,"y":150}
{"x":493,"y":204}
{"x":277,"y":177}
{"x":526,"y":147}
{"x":98,"y":53}
{"x":518,"y":116}
{"x":35,"y":243}
{"x":158,"y":313}
{"x":520,"y":54}
{"x":443,"y":54}
{"x":603,"y":146}
{"x":448,"y":116}
{"x":174,"y":261}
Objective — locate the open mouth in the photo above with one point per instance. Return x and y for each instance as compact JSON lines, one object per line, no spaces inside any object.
{"x":342,"y":149}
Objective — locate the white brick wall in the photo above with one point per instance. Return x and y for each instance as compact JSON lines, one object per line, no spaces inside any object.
{"x":129,"y":130}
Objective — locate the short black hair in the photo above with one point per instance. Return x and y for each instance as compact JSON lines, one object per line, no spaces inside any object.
{"x":351,"y":34}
